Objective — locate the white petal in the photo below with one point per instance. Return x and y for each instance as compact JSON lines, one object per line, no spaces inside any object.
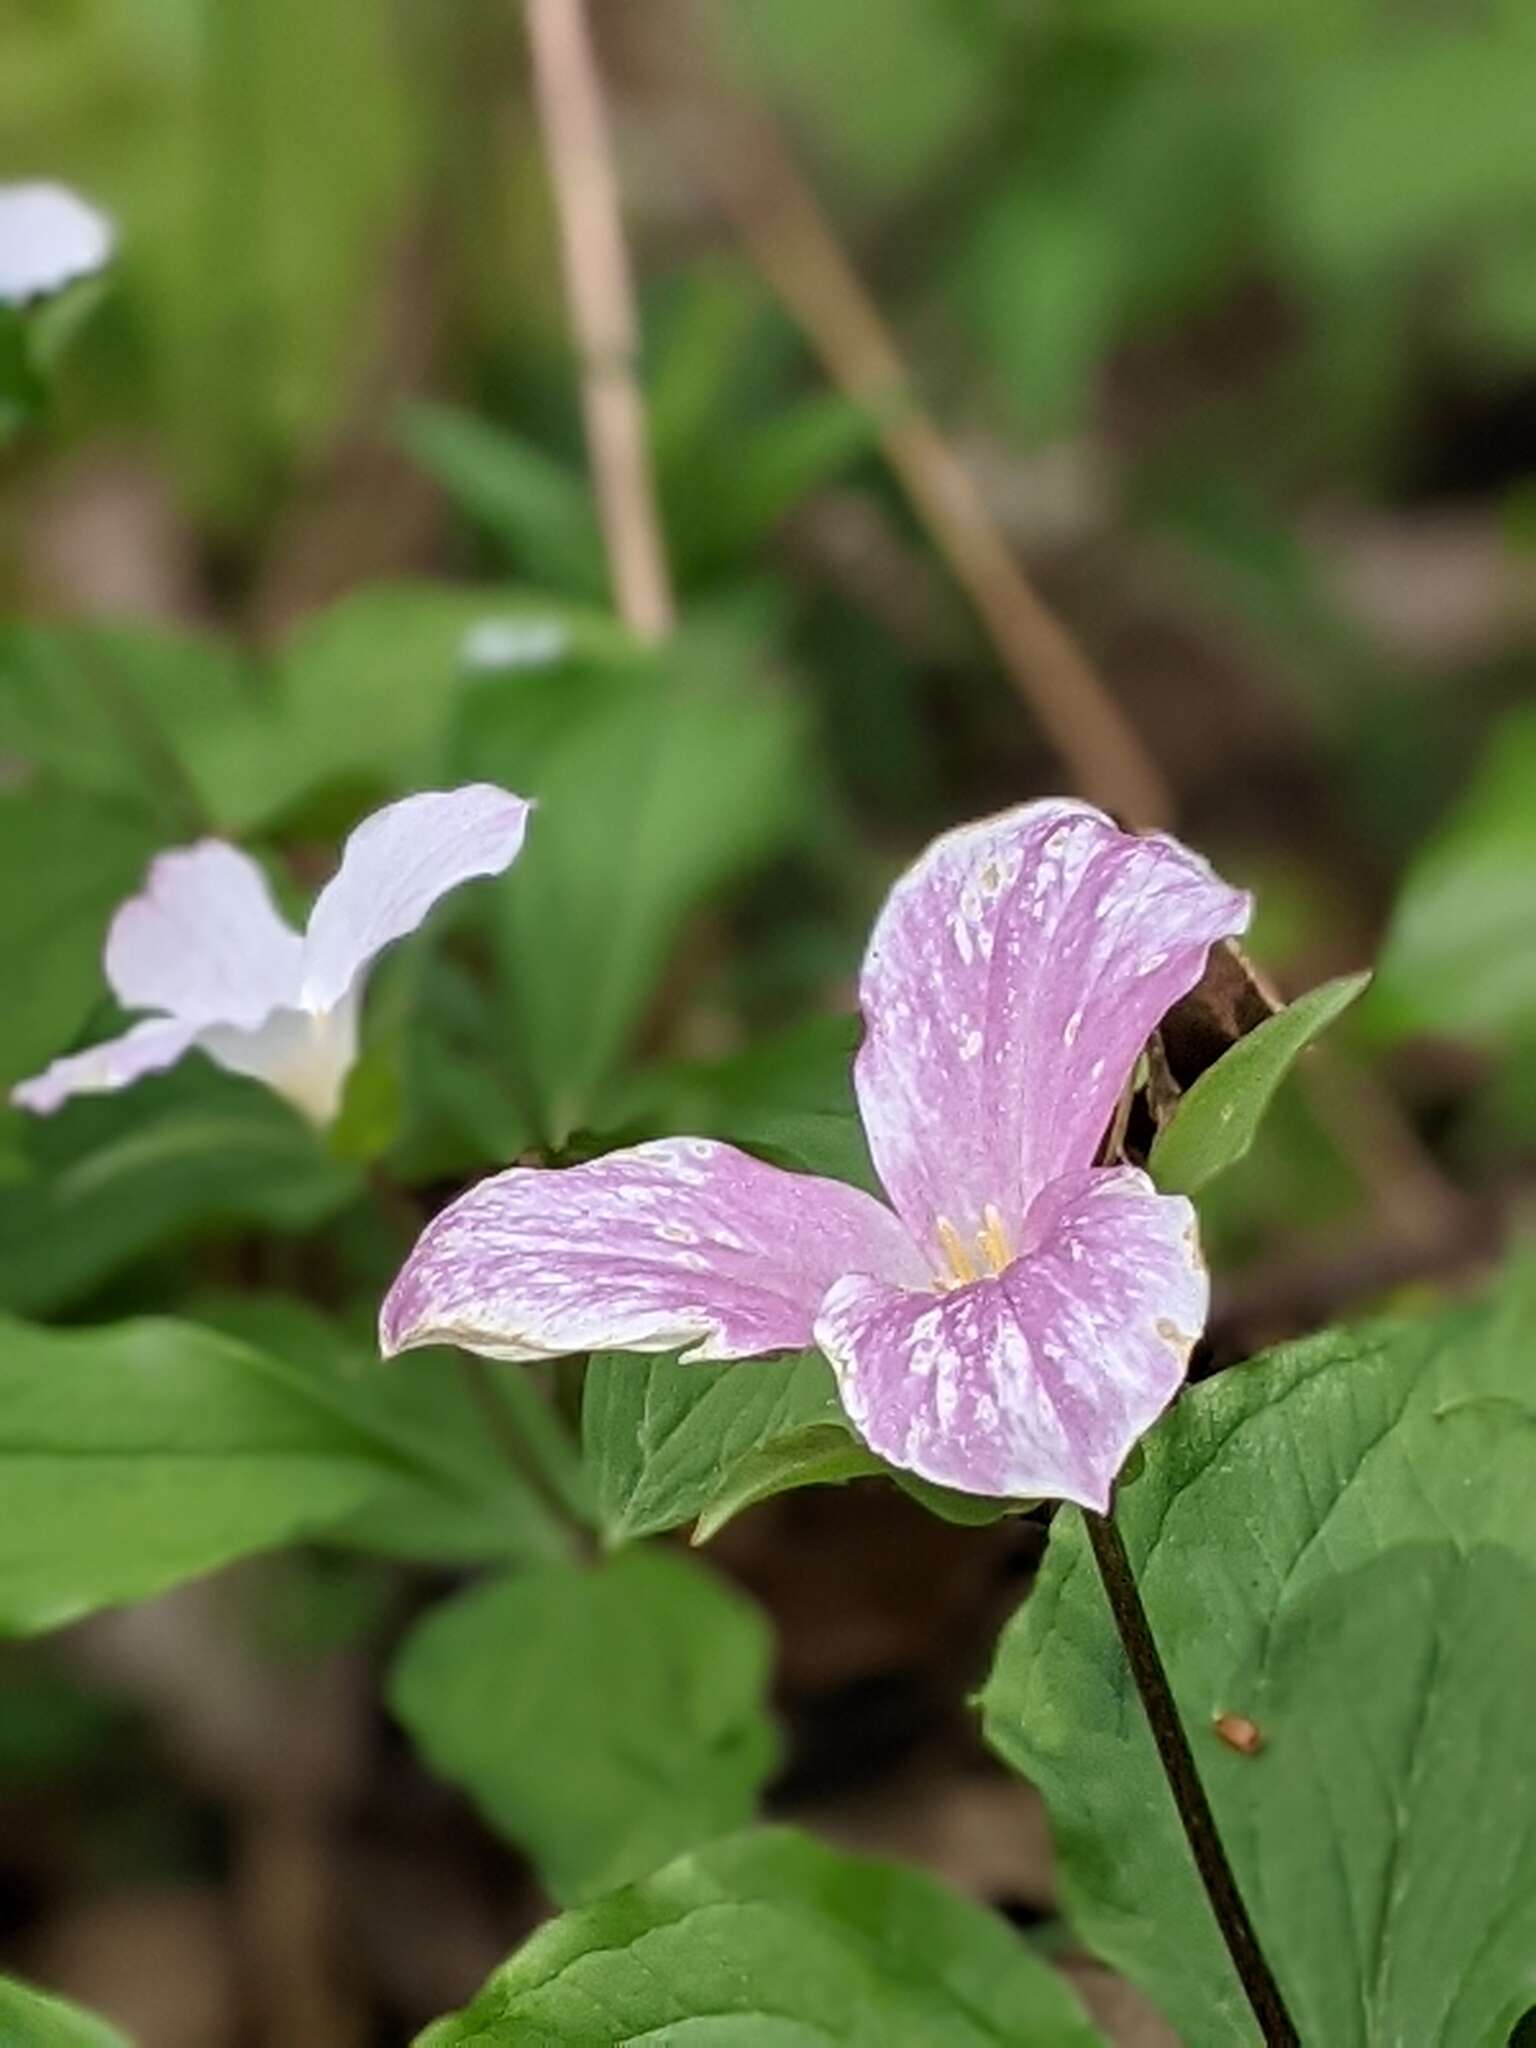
{"x":204,"y":941}
{"x":148,"y":1048}
{"x":394,"y":868}
{"x":301,"y":1055}
{"x":49,"y":237}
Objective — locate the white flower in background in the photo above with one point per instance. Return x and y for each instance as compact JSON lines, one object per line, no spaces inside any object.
{"x":204,"y":949}
{"x":494,"y":644}
{"x":49,"y":237}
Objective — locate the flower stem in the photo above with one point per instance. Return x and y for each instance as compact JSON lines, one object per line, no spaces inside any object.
{"x":1178,"y":1761}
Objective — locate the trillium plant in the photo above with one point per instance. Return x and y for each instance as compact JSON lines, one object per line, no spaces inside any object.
{"x":1022,"y":1311}
{"x":974,"y":1270}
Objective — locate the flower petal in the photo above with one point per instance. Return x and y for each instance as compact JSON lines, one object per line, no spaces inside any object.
{"x":303,"y":1055}
{"x":204,"y":941}
{"x":1038,"y":1383}
{"x":393,"y":869}
{"x":683,"y":1242}
{"x":49,"y":236}
{"x":148,"y":1048}
{"x":1011,"y":979}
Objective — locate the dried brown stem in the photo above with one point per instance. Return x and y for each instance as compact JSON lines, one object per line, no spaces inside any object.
{"x":599,"y":289}
{"x":790,"y":240}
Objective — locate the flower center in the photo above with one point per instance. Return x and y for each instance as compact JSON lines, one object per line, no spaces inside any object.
{"x":960,"y":1267}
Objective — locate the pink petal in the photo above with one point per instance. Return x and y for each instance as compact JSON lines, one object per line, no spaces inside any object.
{"x":204,"y":941}
{"x":1038,"y":1383}
{"x":49,"y":236}
{"x":679,"y":1243}
{"x":395,"y":866}
{"x":1011,"y":980}
{"x":155,"y":1044}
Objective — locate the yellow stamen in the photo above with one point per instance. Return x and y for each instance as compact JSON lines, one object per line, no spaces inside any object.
{"x":993,"y":1239}
{"x":961,"y":1271}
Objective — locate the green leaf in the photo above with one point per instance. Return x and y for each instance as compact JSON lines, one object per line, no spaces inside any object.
{"x":1357,"y":184}
{"x":35,"y":2019}
{"x":364,"y":696}
{"x":724,"y":495}
{"x":1337,"y":1542}
{"x":65,"y":865}
{"x":137,"y":1455}
{"x":789,"y":1098}
{"x":666,"y":1443}
{"x":770,"y":1940}
{"x":1218,"y":1120}
{"x":536,"y":509}
{"x":23,"y":395}
{"x":460,"y":1499}
{"x":827,"y":1454}
{"x":605,"y":1719}
{"x":127,"y":714}
{"x":188,"y":1154}
{"x":1460,"y":952}
{"x":886,"y":123}
{"x":657,"y":786}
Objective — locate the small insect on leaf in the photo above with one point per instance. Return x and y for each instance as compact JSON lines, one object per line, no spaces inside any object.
{"x":1239,"y":1733}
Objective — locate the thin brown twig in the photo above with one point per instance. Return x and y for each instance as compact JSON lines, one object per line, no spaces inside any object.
{"x":569,"y":91}
{"x":759,"y":187}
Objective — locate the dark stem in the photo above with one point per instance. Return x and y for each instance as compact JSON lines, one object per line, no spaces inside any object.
{"x":1178,"y":1762}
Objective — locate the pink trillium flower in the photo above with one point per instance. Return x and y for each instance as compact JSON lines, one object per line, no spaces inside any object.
{"x":204,"y":947}
{"x":1018,"y":1316}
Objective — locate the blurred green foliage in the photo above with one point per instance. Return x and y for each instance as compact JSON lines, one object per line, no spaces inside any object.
{"x":1247,"y":274}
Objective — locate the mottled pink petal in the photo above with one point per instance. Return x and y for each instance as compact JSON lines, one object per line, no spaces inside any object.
{"x":679,"y":1243}
{"x":395,"y":866}
{"x":303,"y":1055}
{"x":49,"y":236}
{"x":155,"y":1044}
{"x":1011,"y":979}
{"x":204,"y":941}
{"x":1037,"y":1383}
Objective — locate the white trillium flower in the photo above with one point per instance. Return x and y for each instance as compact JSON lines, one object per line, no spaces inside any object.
{"x":204,"y":948}
{"x":49,"y":237}
{"x":495,"y":644}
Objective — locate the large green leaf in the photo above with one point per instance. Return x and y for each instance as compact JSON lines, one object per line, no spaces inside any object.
{"x":1218,"y":1120}
{"x":363,"y":698}
{"x":465,"y":1501}
{"x":1359,"y":186}
{"x":604,"y":1718}
{"x":185,"y":1155}
{"x":1460,"y":953}
{"x":1337,"y":1542}
{"x":65,"y":864}
{"x":137,"y":1455}
{"x":125,"y":713}
{"x":789,"y":1099}
{"x":666,"y":1443}
{"x":769,"y":1940}
{"x":34,"y":2019}
{"x":656,"y":787}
